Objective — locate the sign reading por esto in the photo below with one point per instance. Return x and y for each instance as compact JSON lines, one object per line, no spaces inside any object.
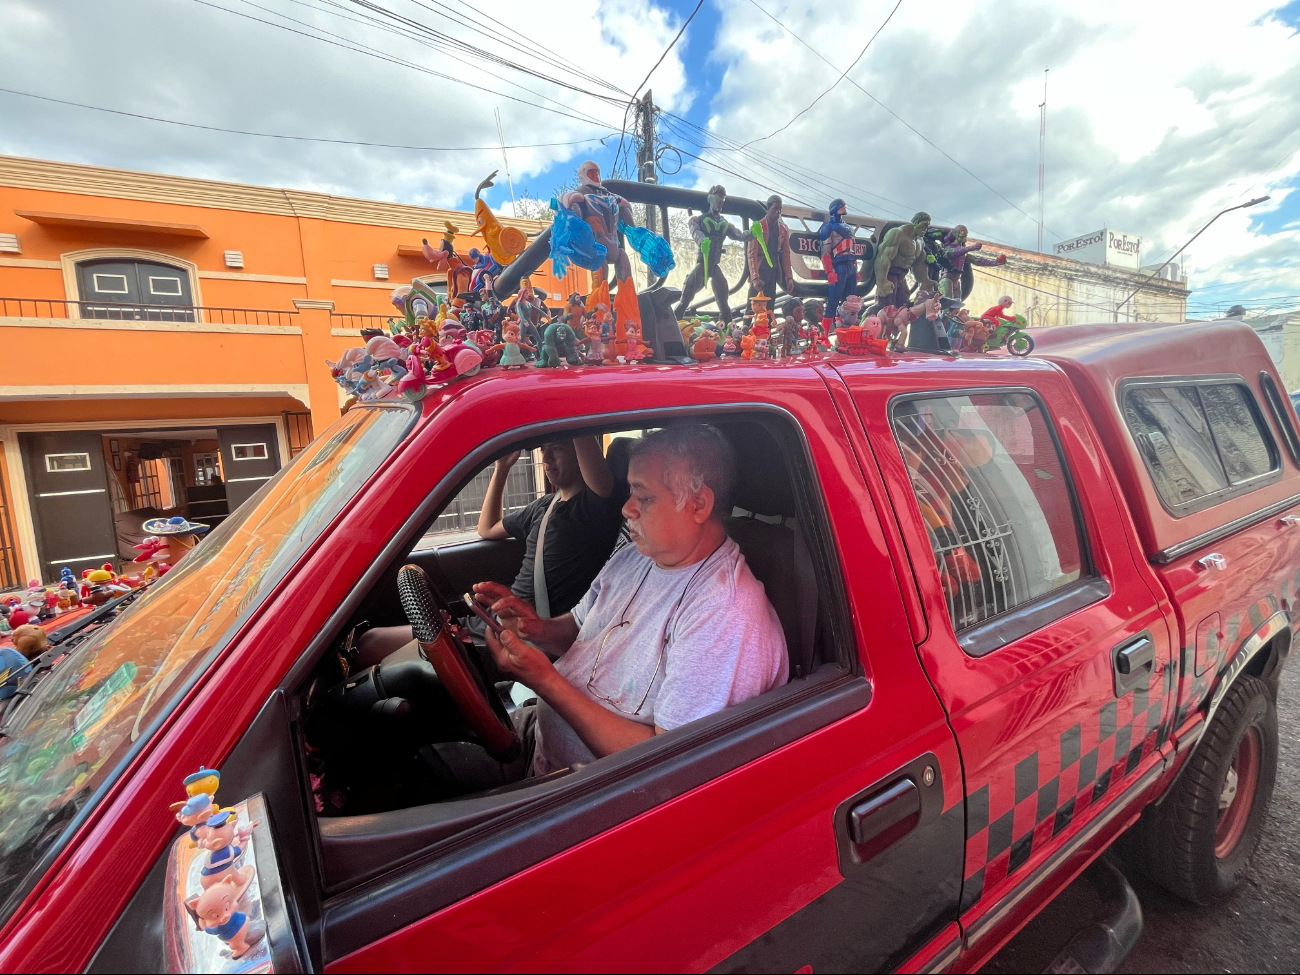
{"x":1104,"y":247}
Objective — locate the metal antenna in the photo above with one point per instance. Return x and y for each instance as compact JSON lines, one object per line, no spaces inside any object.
{"x":1042,"y":158}
{"x":502,"y":137}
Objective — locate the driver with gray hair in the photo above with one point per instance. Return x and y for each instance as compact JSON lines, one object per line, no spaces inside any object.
{"x":675,"y":626}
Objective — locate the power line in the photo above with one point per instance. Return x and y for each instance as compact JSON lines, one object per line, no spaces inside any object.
{"x":900,"y":118}
{"x":294,"y":138}
{"x":382,"y":56}
{"x":637,"y":90}
{"x":837,"y":80}
{"x":447,"y":43}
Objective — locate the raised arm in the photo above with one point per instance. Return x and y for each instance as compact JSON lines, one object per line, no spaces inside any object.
{"x":489,"y":518}
{"x":595,"y":469}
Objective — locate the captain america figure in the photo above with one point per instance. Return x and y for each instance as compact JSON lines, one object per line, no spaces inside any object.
{"x":839,"y":259}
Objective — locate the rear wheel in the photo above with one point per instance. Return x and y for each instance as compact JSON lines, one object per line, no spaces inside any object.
{"x":1199,"y":841}
{"x":1020,"y":343}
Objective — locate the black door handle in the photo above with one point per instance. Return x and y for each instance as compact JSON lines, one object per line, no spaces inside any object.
{"x":1133,"y":662}
{"x":872,"y":818}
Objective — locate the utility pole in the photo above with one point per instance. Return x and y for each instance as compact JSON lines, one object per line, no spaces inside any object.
{"x":1042,"y":158}
{"x":645,"y":163}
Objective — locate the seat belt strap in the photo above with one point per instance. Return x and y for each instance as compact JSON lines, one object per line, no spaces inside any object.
{"x":541,"y":600}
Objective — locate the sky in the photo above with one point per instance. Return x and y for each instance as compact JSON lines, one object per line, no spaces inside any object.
{"x":1159,"y":114}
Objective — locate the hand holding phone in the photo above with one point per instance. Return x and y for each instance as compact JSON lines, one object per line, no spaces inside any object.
{"x":493,"y":625}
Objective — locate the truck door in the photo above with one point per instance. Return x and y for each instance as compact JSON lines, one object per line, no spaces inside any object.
{"x":1045,"y":646}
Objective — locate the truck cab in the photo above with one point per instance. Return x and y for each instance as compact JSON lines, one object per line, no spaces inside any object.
{"x":987,"y":624}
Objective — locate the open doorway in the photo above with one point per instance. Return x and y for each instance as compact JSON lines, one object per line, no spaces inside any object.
{"x":158,"y":474}
{"x":91,"y":490}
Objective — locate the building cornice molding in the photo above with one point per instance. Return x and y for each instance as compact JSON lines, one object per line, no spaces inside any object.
{"x":1105,"y":274}
{"x":82,"y":180}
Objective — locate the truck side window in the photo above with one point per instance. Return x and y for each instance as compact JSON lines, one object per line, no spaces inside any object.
{"x":1199,"y":441}
{"x":995,"y":498}
{"x":1281,"y":416}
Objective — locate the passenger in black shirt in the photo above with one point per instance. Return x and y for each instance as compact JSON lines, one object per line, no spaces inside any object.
{"x":581,"y":531}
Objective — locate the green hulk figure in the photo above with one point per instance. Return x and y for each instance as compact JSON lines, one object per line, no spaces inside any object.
{"x":710,"y":230}
{"x":902,"y":250}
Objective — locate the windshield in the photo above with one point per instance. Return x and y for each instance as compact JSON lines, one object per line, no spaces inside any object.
{"x":67,"y":741}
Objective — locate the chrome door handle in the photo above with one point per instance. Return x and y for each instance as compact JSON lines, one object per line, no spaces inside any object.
{"x":1288,"y":521}
{"x":1212,"y":561}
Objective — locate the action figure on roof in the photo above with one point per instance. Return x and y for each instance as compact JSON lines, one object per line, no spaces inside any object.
{"x":950,"y":254}
{"x":902,"y":250}
{"x":506,"y":243}
{"x":486,"y":269}
{"x":444,"y":258}
{"x":529,"y":308}
{"x":1000,"y":311}
{"x":839,"y":259}
{"x":599,"y":210}
{"x":710,"y":231}
{"x":768,"y":252}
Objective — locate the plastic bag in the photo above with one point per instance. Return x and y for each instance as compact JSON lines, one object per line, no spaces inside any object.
{"x":573,"y":242}
{"x":654,"y":250}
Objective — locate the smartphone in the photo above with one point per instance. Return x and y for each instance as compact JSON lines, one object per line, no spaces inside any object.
{"x":472,"y":603}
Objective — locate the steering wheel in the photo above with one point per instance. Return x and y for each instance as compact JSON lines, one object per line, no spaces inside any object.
{"x":477,"y":700}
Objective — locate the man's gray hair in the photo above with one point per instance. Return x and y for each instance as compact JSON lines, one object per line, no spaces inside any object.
{"x":695,"y":455}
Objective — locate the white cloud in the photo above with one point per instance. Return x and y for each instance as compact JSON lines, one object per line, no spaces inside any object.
{"x":188,"y":61}
{"x":1160,"y":114}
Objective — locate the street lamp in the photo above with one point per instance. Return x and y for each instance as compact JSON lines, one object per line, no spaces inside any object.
{"x":1156,"y":272}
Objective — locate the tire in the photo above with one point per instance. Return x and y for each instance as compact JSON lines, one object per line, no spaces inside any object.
{"x":1020,"y":343}
{"x":1187,"y":844}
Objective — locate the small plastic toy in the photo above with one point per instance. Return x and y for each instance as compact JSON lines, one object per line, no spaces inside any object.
{"x":221,"y":835}
{"x":529,"y":308}
{"x":636,"y":352}
{"x":950,"y":254}
{"x":762,"y":308}
{"x":747,"y":346}
{"x":710,"y":231}
{"x":558,"y":345}
{"x":512,"y":356}
{"x":18,"y":617}
{"x":1000,"y":312}
{"x":444,"y":258}
{"x":593,"y":352}
{"x":412,"y":385}
{"x":506,"y":243}
{"x":214,"y":911}
{"x":706,"y":345}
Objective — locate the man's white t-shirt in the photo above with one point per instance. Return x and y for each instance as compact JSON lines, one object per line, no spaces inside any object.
{"x":722,"y":644}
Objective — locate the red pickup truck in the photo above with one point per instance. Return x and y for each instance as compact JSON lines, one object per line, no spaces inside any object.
{"x":1030,"y":605}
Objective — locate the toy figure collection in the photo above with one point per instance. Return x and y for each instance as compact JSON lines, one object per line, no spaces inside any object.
{"x":916,"y":272}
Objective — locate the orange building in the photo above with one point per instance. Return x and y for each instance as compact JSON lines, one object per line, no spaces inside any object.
{"x":164,"y":342}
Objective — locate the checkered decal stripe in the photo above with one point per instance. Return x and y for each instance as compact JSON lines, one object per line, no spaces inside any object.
{"x":1004,"y":825}
{"x":1193,"y":691}
{"x":1007,"y":820}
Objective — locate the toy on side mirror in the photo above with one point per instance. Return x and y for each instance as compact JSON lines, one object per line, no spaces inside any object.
{"x":214,"y":912}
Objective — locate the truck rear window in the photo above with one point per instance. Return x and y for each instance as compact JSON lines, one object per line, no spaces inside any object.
{"x":1201,"y":442}
{"x":995,"y":498}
